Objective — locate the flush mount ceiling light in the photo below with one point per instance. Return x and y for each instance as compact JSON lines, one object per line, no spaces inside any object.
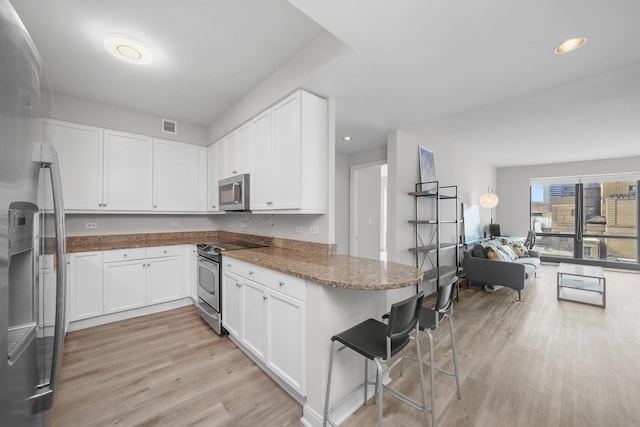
{"x":127,"y":49}
{"x":346,"y":138}
{"x":570,"y":45}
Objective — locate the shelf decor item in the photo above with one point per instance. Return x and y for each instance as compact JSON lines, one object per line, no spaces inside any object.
{"x":427,"y":168}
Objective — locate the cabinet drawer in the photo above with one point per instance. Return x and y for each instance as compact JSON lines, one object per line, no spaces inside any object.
{"x":238,"y":268}
{"x":294,"y":287}
{"x":160,"y":251}
{"x":123,"y":254}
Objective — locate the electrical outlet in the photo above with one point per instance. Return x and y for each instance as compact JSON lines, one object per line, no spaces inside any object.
{"x":92,"y":225}
{"x":314,"y":229}
{"x":175,"y":223}
{"x":299,"y":229}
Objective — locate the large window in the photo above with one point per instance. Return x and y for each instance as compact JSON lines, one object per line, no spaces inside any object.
{"x":593,"y":219}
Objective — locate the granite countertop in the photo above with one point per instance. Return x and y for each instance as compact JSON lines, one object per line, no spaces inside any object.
{"x":313,"y":261}
{"x":340,"y":271}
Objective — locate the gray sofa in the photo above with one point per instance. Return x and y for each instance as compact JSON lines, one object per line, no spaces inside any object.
{"x":514,"y":274}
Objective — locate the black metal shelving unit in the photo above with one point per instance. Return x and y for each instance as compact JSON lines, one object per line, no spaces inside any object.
{"x":432,"y":253}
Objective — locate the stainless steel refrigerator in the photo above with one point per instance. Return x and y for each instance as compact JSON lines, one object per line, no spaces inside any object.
{"x":32,"y":239}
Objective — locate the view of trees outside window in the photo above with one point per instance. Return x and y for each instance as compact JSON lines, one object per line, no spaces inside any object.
{"x":603,"y":214}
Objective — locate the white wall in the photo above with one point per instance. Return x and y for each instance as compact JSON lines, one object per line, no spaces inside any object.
{"x":513,"y":186}
{"x":342,"y":203}
{"x":80,"y":110}
{"x":135,"y":223}
{"x":291,"y":76}
{"x":455,"y":165}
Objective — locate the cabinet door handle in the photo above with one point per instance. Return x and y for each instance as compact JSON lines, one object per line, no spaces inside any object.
{"x":228,"y":265}
{"x":281,"y":283}
{"x":264,"y":297}
{"x":213,"y":206}
{"x":124,"y":256}
{"x":251,"y":273}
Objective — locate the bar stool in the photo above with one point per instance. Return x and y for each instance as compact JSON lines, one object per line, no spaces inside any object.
{"x":378,"y":342}
{"x":429,"y":322}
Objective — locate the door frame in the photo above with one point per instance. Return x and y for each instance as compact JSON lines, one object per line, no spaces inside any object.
{"x":354,"y":171}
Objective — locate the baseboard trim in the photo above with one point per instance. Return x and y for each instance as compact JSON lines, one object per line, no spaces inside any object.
{"x":128,"y":314}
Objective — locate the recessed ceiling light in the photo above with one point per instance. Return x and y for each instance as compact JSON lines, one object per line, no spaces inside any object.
{"x":346,"y":138}
{"x":128,"y":49}
{"x":570,"y":45}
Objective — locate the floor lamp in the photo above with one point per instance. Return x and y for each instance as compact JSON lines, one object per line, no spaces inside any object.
{"x":489,"y":200}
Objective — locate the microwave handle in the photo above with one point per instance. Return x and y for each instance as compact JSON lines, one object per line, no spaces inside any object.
{"x":237,"y":192}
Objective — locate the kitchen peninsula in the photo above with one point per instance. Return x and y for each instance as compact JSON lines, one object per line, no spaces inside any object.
{"x":324,"y":292}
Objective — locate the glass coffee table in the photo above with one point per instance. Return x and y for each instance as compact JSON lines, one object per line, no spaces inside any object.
{"x":580,"y":283}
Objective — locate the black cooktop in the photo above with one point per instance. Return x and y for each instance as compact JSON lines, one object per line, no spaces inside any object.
{"x":217,"y":247}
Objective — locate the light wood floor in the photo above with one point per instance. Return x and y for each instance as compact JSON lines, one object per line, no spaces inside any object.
{"x":538,"y":362}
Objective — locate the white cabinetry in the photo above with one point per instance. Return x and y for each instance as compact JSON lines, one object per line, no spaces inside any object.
{"x":109,"y":170}
{"x":261,"y":169}
{"x":295,"y":165}
{"x":124,"y":279}
{"x":80,"y":153}
{"x":254,"y":314}
{"x":265,"y":311}
{"x":232,"y":303}
{"x":175,"y":176}
{"x":285,"y":334}
{"x":164,"y":274}
{"x":85,"y":285}
{"x":212,"y":178}
{"x":109,"y":282}
{"x":128,"y":171}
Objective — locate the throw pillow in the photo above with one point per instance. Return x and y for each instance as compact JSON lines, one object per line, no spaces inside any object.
{"x":494,"y":253}
{"x":510,"y":253}
{"x":519,"y":249}
{"x":478,"y":251}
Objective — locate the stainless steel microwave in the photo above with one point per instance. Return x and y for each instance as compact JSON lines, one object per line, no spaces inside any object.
{"x":233,"y":193}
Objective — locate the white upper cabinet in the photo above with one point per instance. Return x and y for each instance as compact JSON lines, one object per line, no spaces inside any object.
{"x":104,"y":169}
{"x":286,"y":154}
{"x":261,"y":168}
{"x":128,"y":171}
{"x":175,"y":176}
{"x":242,"y":151}
{"x":212,"y":178}
{"x":80,"y":152}
{"x":292,"y":159}
{"x":202,"y":179}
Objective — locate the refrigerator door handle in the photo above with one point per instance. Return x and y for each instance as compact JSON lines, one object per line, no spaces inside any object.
{"x":43,"y":400}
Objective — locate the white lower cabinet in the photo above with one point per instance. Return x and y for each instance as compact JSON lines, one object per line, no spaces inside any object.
{"x":164,"y":279}
{"x":254,"y":313}
{"x":286,"y":320}
{"x":107,"y":282}
{"x":124,"y":285}
{"x":232,"y":303}
{"x":85,"y":285}
{"x":265,"y":311}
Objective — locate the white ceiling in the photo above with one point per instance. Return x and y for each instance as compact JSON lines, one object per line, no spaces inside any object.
{"x":474,"y":73}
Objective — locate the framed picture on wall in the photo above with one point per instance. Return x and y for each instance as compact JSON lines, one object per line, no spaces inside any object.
{"x":427,"y":168}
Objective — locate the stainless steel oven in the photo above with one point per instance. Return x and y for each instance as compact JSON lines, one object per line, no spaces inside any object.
{"x":209,"y":303}
{"x":209,"y":284}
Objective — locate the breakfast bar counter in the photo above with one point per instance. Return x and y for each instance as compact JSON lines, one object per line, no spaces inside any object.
{"x":340,"y":271}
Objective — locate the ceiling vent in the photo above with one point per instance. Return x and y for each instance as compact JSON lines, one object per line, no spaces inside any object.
{"x":169,"y":126}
